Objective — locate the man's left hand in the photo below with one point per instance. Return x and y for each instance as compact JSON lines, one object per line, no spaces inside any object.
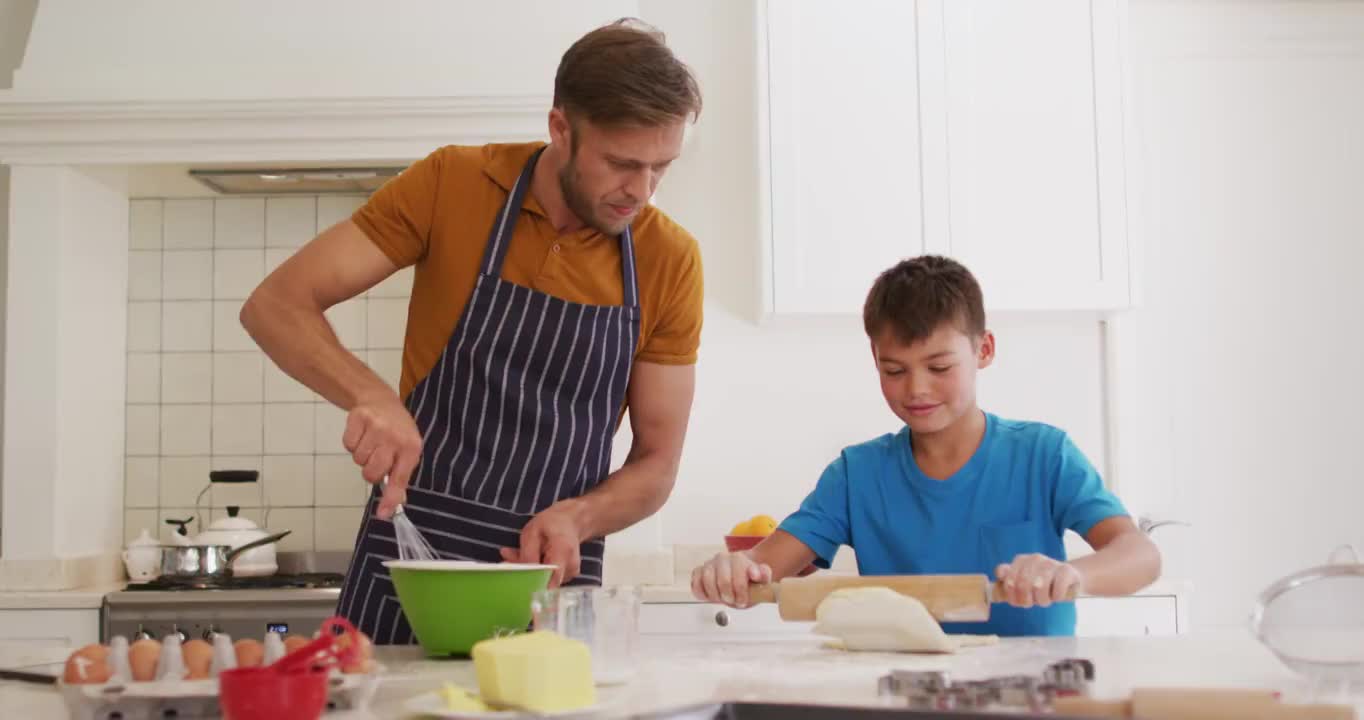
{"x":1036,"y":579}
{"x":551,"y":538}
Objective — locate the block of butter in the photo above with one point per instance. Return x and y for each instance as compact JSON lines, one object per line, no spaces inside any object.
{"x":539,"y":671}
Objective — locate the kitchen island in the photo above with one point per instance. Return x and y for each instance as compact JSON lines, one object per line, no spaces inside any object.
{"x":676,"y":672}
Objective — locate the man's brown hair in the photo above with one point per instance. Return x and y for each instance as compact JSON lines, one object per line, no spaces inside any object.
{"x":914,"y":298}
{"x":625,"y":74}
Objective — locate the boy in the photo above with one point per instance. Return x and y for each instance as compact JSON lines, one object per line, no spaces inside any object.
{"x":957,"y":490}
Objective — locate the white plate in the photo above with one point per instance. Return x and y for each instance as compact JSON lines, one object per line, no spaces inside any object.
{"x":433,"y":705}
{"x":461,"y":565}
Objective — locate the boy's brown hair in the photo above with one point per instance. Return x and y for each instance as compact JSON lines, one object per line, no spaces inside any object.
{"x":914,"y":298}
{"x":625,"y":74}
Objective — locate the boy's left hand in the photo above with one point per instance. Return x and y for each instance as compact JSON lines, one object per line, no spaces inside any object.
{"x":1036,"y":579}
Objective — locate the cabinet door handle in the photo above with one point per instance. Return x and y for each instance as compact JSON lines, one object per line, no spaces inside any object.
{"x":722,"y":618}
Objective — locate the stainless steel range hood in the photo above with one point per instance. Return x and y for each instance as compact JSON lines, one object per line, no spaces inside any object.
{"x":284,"y":181}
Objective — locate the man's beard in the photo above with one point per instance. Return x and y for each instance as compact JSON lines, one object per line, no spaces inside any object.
{"x":578,"y":202}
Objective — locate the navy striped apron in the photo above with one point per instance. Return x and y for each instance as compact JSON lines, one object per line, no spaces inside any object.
{"x":518,"y":413}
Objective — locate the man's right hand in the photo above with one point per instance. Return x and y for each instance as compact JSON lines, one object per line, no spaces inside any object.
{"x":383,"y":439}
{"x":726,"y":577}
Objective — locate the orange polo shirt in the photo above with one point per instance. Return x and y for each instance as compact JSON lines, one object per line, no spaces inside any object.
{"x":438,"y":212}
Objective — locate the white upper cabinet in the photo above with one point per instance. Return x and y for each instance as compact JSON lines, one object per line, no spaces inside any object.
{"x":988,"y":130}
{"x":844,"y":148}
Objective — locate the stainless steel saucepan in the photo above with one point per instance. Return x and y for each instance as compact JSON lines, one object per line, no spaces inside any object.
{"x":206,"y":562}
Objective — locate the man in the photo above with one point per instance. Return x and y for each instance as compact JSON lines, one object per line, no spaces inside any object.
{"x":548,"y":296}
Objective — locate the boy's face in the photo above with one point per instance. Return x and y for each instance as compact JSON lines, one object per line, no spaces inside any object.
{"x":931,"y":383}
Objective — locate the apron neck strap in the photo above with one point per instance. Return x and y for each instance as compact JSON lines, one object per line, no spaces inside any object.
{"x":499,"y":238}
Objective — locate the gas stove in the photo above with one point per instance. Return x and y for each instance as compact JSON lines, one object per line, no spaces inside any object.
{"x":293,"y":601}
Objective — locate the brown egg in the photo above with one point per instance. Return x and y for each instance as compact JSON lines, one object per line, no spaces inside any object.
{"x":294,"y":642}
{"x":198,"y":656}
{"x":364,"y":660}
{"x":142,"y":658}
{"x":250,"y":653}
{"x":89,"y":664}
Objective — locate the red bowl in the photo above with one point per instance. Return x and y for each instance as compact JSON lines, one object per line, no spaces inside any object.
{"x":261,"y":693}
{"x":740,"y":543}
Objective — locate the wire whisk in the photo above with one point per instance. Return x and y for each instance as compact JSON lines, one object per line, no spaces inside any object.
{"x":411,"y":544}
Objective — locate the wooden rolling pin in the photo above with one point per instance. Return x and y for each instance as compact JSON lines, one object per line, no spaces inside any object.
{"x":1198,"y":704}
{"x":948,"y":598}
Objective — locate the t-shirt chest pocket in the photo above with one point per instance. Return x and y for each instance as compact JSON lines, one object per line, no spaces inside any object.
{"x":1001,"y":543}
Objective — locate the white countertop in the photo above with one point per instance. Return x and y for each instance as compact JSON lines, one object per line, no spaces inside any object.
{"x":680,"y":671}
{"x":82,"y":598}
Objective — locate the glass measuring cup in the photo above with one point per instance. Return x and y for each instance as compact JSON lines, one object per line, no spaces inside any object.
{"x":606,"y":619}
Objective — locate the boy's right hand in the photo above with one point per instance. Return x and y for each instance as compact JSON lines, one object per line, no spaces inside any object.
{"x":726,"y":577}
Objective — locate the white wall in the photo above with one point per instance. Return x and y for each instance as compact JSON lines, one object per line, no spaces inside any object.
{"x":165,"y":49}
{"x":64,"y":364}
{"x":1241,"y":387}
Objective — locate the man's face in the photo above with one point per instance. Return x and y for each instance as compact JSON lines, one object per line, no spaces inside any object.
{"x":613,"y":171}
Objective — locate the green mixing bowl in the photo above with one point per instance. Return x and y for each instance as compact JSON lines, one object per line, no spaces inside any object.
{"x":452,"y":604}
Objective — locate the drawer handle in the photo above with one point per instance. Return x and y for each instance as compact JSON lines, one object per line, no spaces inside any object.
{"x":722,"y":618}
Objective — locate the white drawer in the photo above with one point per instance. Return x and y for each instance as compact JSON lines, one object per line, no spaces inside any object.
{"x":716,"y":620}
{"x":1127,"y":616}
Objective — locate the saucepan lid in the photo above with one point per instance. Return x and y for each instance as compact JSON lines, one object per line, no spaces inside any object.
{"x":1313,"y":620}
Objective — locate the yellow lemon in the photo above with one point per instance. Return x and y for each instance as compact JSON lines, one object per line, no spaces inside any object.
{"x":741,"y":529}
{"x":762,"y":525}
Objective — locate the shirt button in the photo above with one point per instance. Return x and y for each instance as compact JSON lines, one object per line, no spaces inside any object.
{"x":556,"y":247}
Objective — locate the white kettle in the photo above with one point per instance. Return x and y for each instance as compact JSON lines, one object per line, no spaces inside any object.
{"x":236,"y":531}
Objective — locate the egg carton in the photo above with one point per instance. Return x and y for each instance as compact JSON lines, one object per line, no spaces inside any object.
{"x":185,"y":699}
{"x":173,"y":694}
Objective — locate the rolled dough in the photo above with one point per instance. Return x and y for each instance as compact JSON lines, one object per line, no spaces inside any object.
{"x":880,"y":619}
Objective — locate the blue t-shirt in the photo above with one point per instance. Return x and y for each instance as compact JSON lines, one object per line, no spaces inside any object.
{"x":1023,"y":488}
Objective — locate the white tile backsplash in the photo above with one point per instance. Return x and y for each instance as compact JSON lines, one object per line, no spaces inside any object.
{"x":238,"y":377}
{"x":186,"y":430}
{"x":201,"y":395}
{"x":348,"y":322}
{"x":228,"y":333}
{"x":135,"y":521}
{"x":236,"y":273}
{"x":239,"y":223}
{"x":187,"y":224}
{"x":332,"y":209}
{"x":339,"y":482}
{"x":141,"y":482}
{"x":238,"y":429}
{"x":144,"y":274}
{"x":330,"y":426}
{"x":144,"y":378}
{"x":289,"y":480}
{"x":299,"y":523}
{"x":144,"y":225}
{"x":397,"y":285}
{"x":279,"y":387}
{"x":387,"y":364}
{"x":182,"y":479}
{"x":336,"y":528}
{"x":290,"y":222}
{"x":386,"y":323}
{"x":187,"y":326}
{"x":274,"y":257}
{"x":186,"y":377}
{"x":289,"y":428}
{"x":187,"y":275}
{"x":144,"y":327}
{"x":143,"y":436}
